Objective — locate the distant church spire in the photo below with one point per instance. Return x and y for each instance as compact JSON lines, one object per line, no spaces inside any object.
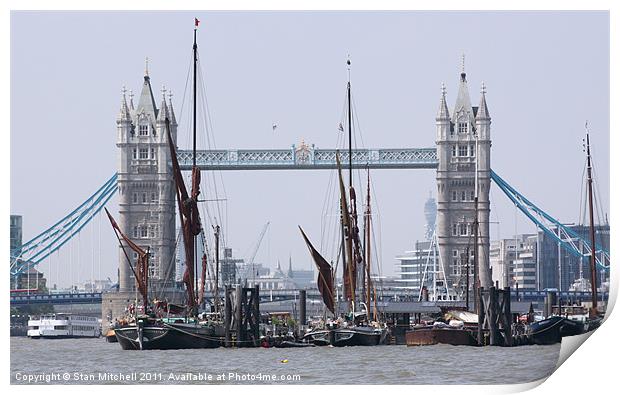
{"x":290,"y":267}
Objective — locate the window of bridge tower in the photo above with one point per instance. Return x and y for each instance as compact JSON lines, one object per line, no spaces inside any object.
{"x":462,"y":127}
{"x":143,"y":130}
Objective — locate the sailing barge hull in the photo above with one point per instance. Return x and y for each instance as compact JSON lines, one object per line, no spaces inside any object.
{"x":170,"y":337}
{"x":546,"y":331}
{"x":358,"y":336}
{"x":344,"y":337}
{"x":431,"y":336}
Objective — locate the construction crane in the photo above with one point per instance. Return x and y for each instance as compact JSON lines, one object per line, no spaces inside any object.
{"x":255,"y":251}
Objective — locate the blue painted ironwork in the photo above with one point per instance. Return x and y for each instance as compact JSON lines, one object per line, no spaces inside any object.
{"x":309,"y":157}
{"x":567,"y":237}
{"x":57,"y":299}
{"x":47,"y":242}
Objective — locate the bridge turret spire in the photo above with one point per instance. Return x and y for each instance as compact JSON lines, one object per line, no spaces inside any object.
{"x":131,"y":107}
{"x":443,"y":113}
{"x":146,"y":104}
{"x":483,"y":111}
{"x":463,"y":111}
{"x":163,"y":109}
{"x":124,"y":114}
{"x":173,"y":118}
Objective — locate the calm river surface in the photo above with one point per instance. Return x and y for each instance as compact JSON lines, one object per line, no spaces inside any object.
{"x":93,"y":361}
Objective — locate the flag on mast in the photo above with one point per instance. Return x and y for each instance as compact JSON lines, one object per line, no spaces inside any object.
{"x":196,"y":22}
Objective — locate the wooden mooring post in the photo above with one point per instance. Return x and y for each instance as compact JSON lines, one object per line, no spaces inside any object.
{"x":495,"y":317}
{"x":238,"y":315}
{"x":242,"y":316}
{"x":227,"y":316}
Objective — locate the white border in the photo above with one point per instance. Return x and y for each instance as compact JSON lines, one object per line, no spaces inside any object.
{"x":584,"y":372}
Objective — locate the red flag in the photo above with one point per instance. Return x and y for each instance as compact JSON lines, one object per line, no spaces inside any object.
{"x":196,"y":22}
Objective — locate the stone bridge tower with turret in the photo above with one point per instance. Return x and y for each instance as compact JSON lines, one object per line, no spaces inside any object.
{"x":463,"y":147}
{"x":146,"y":186}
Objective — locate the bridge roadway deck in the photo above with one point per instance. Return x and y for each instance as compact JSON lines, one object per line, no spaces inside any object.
{"x":310,"y":158}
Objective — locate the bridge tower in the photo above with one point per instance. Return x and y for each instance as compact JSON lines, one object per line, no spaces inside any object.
{"x":145,"y":185}
{"x":457,"y":137}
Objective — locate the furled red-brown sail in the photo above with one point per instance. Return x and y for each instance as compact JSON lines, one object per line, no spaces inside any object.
{"x":325,"y":279}
{"x":349,"y":267}
{"x":142,"y":265}
{"x":190,"y":218}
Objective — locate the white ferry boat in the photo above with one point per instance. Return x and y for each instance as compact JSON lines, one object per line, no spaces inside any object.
{"x":56,"y":326}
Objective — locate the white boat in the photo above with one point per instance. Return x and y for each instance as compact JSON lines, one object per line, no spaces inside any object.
{"x":58,"y":326}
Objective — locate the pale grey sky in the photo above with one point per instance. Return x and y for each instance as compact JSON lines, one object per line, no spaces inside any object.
{"x":546,"y":74}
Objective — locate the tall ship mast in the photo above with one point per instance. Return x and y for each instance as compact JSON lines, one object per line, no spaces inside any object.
{"x":353,"y":327}
{"x":159,"y":328}
{"x":594,"y":310}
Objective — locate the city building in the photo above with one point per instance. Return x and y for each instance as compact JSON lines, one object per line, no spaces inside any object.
{"x":514,"y":261}
{"x":537,"y":262}
{"x":32,"y":279}
{"x":97,"y":285}
{"x":422,"y":267}
{"x":413,"y":264}
{"x":228,"y":267}
{"x":559,"y":268}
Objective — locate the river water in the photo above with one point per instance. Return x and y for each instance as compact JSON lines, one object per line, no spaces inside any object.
{"x":93,"y":361}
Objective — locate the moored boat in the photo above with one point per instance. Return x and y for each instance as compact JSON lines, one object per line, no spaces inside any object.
{"x":546,"y":331}
{"x":160,"y":335}
{"x":63,"y":326}
{"x":153,"y":325}
{"x":433,"y":334}
{"x":110,"y":336}
{"x":358,"y":336}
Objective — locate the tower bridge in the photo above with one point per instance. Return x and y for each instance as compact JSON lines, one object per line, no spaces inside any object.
{"x":146,"y":192}
{"x":144,"y":183}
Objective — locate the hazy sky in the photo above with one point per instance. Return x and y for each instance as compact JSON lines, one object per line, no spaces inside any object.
{"x":546,"y":74}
